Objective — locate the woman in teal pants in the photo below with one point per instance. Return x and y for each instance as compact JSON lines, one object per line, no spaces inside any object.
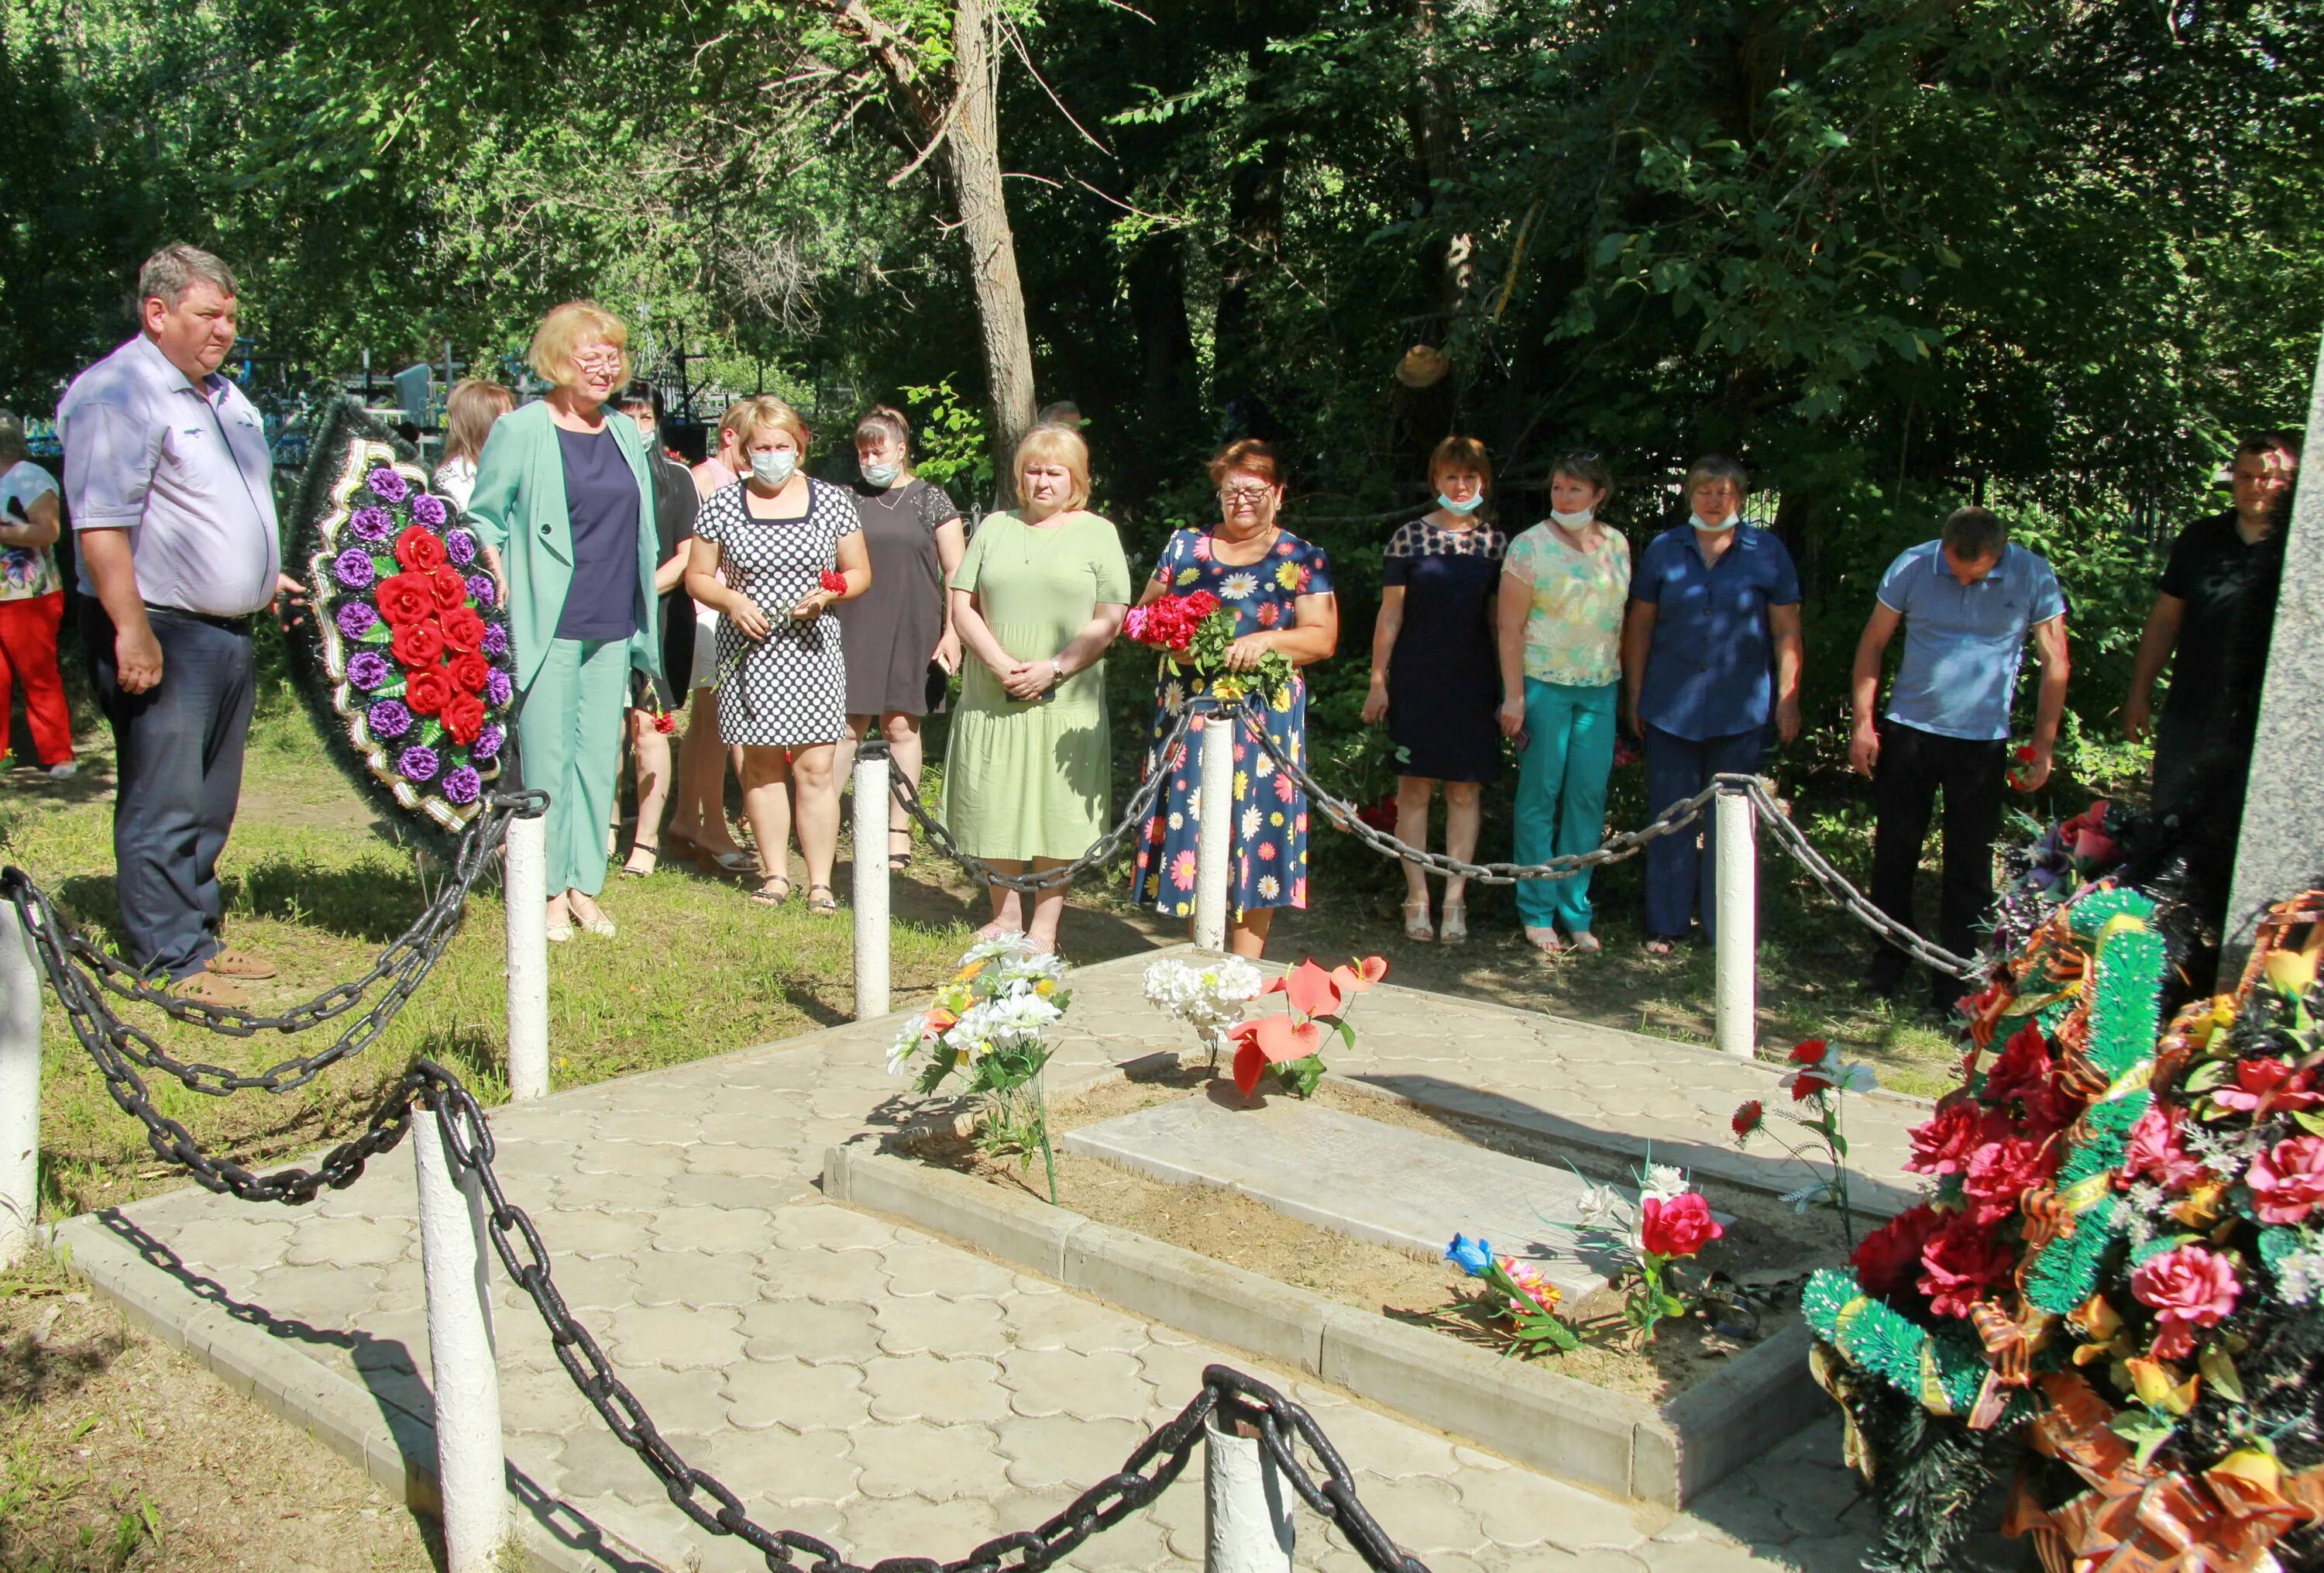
{"x":1563,"y":585}
{"x":564,"y":508}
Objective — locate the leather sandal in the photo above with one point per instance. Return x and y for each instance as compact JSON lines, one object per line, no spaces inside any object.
{"x":1417,"y":925}
{"x":773,"y":891}
{"x":652,"y":854}
{"x":825,"y":905}
{"x":239,"y":964}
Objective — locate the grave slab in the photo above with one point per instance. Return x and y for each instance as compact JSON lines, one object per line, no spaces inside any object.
{"x":1386,"y":1184}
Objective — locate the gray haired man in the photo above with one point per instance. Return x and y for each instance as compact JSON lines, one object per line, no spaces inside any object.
{"x":171,"y":487}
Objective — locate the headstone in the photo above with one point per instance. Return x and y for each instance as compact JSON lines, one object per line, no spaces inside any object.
{"x":1394,"y":1186}
{"x":2282,"y":848}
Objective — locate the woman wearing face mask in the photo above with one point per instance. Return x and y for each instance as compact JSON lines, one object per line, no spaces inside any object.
{"x":1038,"y":597}
{"x":1562,"y":589}
{"x":564,"y":490}
{"x":761,"y":551}
{"x":1710,"y":658}
{"x":697,"y":827}
{"x":1279,"y":589}
{"x":904,"y":622}
{"x":652,"y":698}
{"x":1435,"y":675}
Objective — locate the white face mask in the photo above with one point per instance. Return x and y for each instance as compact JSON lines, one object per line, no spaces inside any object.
{"x":1572,"y":520}
{"x":881,"y":475}
{"x":1696,"y":520}
{"x":773,"y":466}
{"x":1470,"y":506}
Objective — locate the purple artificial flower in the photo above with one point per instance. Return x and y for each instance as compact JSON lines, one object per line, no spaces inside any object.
{"x":499,"y":689}
{"x":495,"y":637}
{"x":371,"y":523}
{"x":389,"y":718}
{"x":462,"y":785}
{"x":387,"y":486}
{"x":480,"y":586}
{"x":356,"y":619}
{"x":367,"y":669}
{"x":459,"y":545}
{"x":430,"y":511}
{"x":488,"y":744}
{"x":418,"y":765}
{"x":352,"y":568}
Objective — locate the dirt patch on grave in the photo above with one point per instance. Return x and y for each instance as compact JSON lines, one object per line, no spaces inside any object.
{"x":1764,"y":1254}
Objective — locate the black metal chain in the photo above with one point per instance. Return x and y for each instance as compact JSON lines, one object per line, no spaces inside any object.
{"x":1101,"y":852}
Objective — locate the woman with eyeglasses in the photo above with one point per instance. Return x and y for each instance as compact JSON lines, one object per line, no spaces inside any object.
{"x":1435,"y":675}
{"x":564,"y":508}
{"x":1279,"y":589}
{"x":1563,"y":585}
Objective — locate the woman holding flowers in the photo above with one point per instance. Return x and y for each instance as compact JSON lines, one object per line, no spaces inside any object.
{"x":1435,"y":678}
{"x":1278,"y":588}
{"x":564,"y":507}
{"x":773,"y":553}
{"x":1036,"y":598}
{"x":1563,"y":589}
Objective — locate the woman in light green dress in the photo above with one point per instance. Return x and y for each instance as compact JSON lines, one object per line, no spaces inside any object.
{"x":1039,"y":595}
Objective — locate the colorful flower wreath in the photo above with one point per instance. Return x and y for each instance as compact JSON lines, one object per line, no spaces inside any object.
{"x":415,"y":646}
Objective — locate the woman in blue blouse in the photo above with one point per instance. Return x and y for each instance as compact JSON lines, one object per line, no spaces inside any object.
{"x":1710,"y":657}
{"x":1279,"y":589}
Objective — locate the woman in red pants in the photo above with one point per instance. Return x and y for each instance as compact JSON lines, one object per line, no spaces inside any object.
{"x":31,"y":601}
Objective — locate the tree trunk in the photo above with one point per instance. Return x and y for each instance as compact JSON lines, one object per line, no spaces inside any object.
{"x":973,"y":159}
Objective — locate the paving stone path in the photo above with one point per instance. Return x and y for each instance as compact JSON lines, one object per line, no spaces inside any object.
{"x":871,"y":1384}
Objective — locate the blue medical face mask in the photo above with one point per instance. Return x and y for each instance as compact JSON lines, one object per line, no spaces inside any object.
{"x":1731,"y":520}
{"x":883,"y":476}
{"x":1470,"y":506}
{"x":773,"y":466}
{"x":1572,"y":520}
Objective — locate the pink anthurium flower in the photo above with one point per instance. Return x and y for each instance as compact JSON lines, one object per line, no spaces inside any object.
{"x":1271,"y":1040}
{"x":1353,"y":978}
{"x":1312,"y":992}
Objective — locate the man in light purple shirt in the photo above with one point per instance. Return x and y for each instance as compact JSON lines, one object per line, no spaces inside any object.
{"x":170,"y":488}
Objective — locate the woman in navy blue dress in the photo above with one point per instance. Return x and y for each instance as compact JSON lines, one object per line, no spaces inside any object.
{"x":1436,"y":674}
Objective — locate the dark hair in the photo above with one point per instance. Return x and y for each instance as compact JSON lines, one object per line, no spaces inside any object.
{"x":1583,"y":464}
{"x":2287,"y":443}
{"x":1718,"y":466}
{"x":1063,"y":413}
{"x":883,"y":420}
{"x":1974,"y":535}
{"x":637,"y":392}
{"x":1246,"y":456}
{"x":1462,"y":453}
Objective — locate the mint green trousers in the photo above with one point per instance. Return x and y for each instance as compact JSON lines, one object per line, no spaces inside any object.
{"x":1560,"y":806}
{"x":569,"y":739}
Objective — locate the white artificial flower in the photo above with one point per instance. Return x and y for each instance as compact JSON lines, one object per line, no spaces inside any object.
{"x":1664,"y":1182}
{"x":1601,"y":1208}
{"x":2299,"y":1275}
{"x":1858,"y":1077}
{"x":1235,"y":978}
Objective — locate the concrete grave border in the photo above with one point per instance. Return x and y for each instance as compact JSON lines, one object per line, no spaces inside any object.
{"x":1668,"y":1453}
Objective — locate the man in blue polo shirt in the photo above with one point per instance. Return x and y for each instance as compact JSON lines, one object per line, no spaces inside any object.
{"x":1966,"y":601}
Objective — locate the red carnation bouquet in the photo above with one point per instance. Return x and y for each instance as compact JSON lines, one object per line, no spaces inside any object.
{"x":835,"y":582}
{"x":1195,"y":630}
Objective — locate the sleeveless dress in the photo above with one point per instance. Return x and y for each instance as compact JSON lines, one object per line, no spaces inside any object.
{"x":891,"y":629}
{"x":1444,"y":674}
{"x":1269,"y":868}
{"x":788,"y":689}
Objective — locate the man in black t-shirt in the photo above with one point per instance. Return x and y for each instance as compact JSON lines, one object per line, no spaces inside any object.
{"x":2212,"y":588}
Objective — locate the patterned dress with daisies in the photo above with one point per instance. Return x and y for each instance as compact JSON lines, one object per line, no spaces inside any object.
{"x":1270,"y":842}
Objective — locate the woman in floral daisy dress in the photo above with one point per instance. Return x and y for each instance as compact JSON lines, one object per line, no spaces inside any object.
{"x":1279,"y":589}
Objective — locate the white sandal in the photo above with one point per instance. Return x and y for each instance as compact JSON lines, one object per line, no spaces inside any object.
{"x":1417,"y":925}
{"x":1455,"y":929}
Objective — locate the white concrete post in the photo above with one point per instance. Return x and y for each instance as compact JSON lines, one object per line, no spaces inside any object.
{"x":527,"y":889}
{"x":471,"y":1460}
{"x":1214,"y":846}
{"x":1737,"y":897}
{"x":20,"y":1087}
{"x":871,"y":883}
{"x":1247,"y":1510}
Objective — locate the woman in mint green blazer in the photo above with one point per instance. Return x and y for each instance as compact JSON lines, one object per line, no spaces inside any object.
{"x":564,"y":507}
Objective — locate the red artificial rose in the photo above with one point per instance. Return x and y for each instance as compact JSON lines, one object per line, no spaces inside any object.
{"x":417,"y":645}
{"x":1999,"y":1172}
{"x":2287,"y":1180}
{"x":469,"y":671}
{"x":1806,"y":1082}
{"x":1810,"y":1052}
{"x":1747,"y":1118}
{"x":2264,"y":1085}
{"x":1958,"y":1263}
{"x":1678,"y":1228}
{"x":2188,"y":1288}
{"x":404,"y":597}
{"x":1201,"y":604}
{"x":447,"y":589}
{"x":417,"y":550}
{"x":667,"y":724}
{"x":462,"y":716}
{"x":463,"y":629}
{"x":425,"y":692}
{"x":1889,"y":1258}
{"x":1943,"y":1142}
{"x":2157,"y":1149}
{"x":2023,"y":1068}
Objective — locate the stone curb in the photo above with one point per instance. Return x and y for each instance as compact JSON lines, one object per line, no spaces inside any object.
{"x":1563,"y":1427}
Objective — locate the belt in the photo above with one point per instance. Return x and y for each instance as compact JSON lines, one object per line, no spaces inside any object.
{"x":244,"y":624}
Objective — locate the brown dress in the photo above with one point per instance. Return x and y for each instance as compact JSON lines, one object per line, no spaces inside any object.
{"x":889,"y":632}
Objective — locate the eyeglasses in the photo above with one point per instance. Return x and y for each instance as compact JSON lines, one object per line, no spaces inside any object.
{"x":608,"y":361}
{"x":1244,"y":496}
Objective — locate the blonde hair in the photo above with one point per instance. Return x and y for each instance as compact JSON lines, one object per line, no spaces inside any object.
{"x":565,"y":330}
{"x":746,"y":417}
{"x":1059,"y":445}
{"x":469,"y":410}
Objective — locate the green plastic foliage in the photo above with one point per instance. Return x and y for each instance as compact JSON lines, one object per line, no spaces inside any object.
{"x":1891,"y":1346}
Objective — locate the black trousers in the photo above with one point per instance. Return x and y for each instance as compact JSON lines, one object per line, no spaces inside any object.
{"x":1914,"y":765}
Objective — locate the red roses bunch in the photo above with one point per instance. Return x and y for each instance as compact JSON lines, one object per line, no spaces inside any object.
{"x":1195,"y":630}
{"x":1169,"y":622}
{"x":836,"y":583}
{"x":435,"y":636}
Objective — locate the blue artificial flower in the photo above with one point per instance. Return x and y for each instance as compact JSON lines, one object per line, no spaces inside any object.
{"x":1473,"y":1257}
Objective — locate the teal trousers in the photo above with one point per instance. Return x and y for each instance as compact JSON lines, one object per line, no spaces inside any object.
{"x":569,"y":739}
{"x":1560,"y":805}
